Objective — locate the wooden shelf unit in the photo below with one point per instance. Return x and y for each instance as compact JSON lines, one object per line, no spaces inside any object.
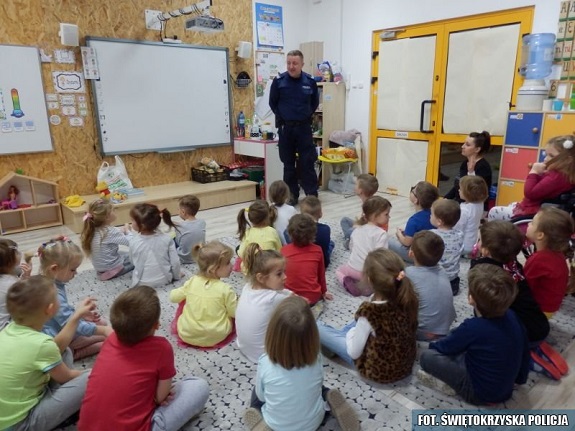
{"x":330,"y":116}
{"x":42,"y":198}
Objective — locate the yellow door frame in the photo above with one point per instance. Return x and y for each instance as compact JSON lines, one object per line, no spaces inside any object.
{"x":442,"y":29}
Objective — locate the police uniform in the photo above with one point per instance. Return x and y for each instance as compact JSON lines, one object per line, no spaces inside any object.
{"x":293,"y":101}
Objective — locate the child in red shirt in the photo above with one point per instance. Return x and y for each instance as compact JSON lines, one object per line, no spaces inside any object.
{"x":305,"y":270}
{"x":546,"y":270}
{"x":131,"y":387}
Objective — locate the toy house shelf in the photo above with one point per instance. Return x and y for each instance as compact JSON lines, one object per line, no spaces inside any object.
{"x":37,"y":200}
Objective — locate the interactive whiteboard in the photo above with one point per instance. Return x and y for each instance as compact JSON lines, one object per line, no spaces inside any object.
{"x":160,"y":97}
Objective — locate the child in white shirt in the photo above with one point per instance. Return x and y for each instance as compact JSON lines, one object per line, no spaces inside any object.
{"x":279,"y":196}
{"x":473,"y":192}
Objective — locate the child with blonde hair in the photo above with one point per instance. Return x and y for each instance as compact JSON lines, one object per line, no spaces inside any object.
{"x":473,"y":192}
{"x":546,"y":271}
{"x":39,"y":389}
{"x":365,"y":238}
{"x":422,"y":196}
{"x":279,"y":196}
{"x":289,"y":394}
{"x":366,"y":185}
{"x":153,"y":253}
{"x":263,"y":291}
{"x":59,"y":260}
{"x":255,"y":224}
{"x":101,"y":241}
{"x":191,"y":230}
{"x":207,"y":304}
{"x":9,"y":265}
{"x":305,"y":269}
{"x":546,"y":180}
{"x":380,"y":342}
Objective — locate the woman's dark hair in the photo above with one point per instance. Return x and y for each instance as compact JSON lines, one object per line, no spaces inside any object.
{"x":482,"y":141}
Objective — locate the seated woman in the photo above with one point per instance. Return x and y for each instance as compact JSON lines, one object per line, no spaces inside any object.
{"x":546,"y":180}
{"x":474,"y":148}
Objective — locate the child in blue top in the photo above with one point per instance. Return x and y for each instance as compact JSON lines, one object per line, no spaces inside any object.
{"x":422,"y":196}
{"x":59,"y":259}
{"x":311,"y":206}
{"x":289,"y":393}
{"x":486,"y":355}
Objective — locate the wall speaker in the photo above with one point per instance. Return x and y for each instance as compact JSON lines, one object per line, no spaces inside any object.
{"x":244,"y":49}
{"x":69,"y":34}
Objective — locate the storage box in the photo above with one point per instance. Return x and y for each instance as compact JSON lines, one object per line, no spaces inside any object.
{"x":203,"y":176}
{"x":255,"y":173}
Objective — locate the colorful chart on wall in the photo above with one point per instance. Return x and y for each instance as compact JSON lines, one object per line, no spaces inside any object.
{"x":268,"y":65}
{"x":24,"y":126}
{"x":269,"y":26}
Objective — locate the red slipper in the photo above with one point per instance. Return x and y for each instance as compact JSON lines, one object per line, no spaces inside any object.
{"x":548,"y":368}
{"x":554,"y":357}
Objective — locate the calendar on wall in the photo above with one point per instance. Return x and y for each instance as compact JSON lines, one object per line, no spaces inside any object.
{"x":269,"y":64}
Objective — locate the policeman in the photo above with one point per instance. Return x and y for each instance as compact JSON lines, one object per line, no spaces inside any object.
{"x":293,"y":99}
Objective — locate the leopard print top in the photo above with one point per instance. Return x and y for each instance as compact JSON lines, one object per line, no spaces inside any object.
{"x":388,"y":356}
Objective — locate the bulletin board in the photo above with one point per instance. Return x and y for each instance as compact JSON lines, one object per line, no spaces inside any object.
{"x":268,"y":65}
{"x":24,"y":126}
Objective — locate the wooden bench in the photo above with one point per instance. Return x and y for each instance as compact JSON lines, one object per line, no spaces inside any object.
{"x":211,"y":195}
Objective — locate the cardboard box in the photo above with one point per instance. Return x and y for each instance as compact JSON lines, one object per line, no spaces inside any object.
{"x":558,"y":54}
{"x":564,"y":11}
{"x":565,"y":64}
{"x":567,"y":49}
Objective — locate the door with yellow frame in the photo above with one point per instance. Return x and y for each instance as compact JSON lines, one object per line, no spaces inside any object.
{"x":433,"y":84}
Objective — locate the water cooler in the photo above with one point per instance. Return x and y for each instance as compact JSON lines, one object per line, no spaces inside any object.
{"x":536,"y":62}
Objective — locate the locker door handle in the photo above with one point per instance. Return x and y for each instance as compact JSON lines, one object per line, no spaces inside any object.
{"x":421,"y":115}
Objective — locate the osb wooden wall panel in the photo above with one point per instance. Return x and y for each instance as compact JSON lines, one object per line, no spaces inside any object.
{"x":76,"y":157}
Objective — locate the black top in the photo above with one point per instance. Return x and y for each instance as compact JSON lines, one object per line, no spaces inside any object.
{"x":293,"y":99}
{"x":524,"y":305}
{"x":482,"y":169}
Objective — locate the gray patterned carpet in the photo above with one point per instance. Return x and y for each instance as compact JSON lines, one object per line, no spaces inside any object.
{"x":231,"y":376}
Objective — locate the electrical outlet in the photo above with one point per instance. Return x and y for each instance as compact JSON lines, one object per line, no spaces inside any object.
{"x":152,"y":21}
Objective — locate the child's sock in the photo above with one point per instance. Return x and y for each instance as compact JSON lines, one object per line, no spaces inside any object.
{"x":342,"y":411}
{"x":254,"y":420}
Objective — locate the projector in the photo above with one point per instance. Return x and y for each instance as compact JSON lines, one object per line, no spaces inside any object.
{"x":206,"y":24}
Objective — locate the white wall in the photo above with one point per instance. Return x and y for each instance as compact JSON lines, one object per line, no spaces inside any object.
{"x":350,"y":43}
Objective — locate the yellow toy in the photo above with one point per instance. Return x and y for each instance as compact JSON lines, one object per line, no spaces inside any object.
{"x":102,"y":188}
{"x":118,"y":197}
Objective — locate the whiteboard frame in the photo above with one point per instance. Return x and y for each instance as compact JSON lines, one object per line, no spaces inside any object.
{"x":97,"y":106}
{"x":29,"y":58}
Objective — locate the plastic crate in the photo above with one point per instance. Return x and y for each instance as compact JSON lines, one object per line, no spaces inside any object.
{"x":201,"y":176}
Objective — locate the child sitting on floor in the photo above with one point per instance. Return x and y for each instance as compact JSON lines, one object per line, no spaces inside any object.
{"x":101,"y":241}
{"x":473,"y":192}
{"x":311,"y":206}
{"x":436,"y":310}
{"x":31,"y":360}
{"x":380,"y":342}
{"x":546,"y":270}
{"x":258,"y":229}
{"x":422,"y":196}
{"x":264,"y":290}
{"x":289,"y":394}
{"x":207,"y":304}
{"x":153,"y":253}
{"x":191,"y":230}
{"x":366,"y":185}
{"x":486,"y":355}
{"x":279,"y":196}
{"x":367,"y":237}
{"x":59,"y":260}
{"x":305,"y":270}
{"x":131,"y":385}
{"x":444,"y":215}
{"x":9,"y":265}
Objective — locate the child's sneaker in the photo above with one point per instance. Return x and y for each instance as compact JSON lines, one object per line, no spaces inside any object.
{"x":434,"y":383}
{"x":317,"y":309}
{"x":342,"y":411}
{"x":254,"y":420}
{"x":350,"y":285}
{"x":554,"y":357}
